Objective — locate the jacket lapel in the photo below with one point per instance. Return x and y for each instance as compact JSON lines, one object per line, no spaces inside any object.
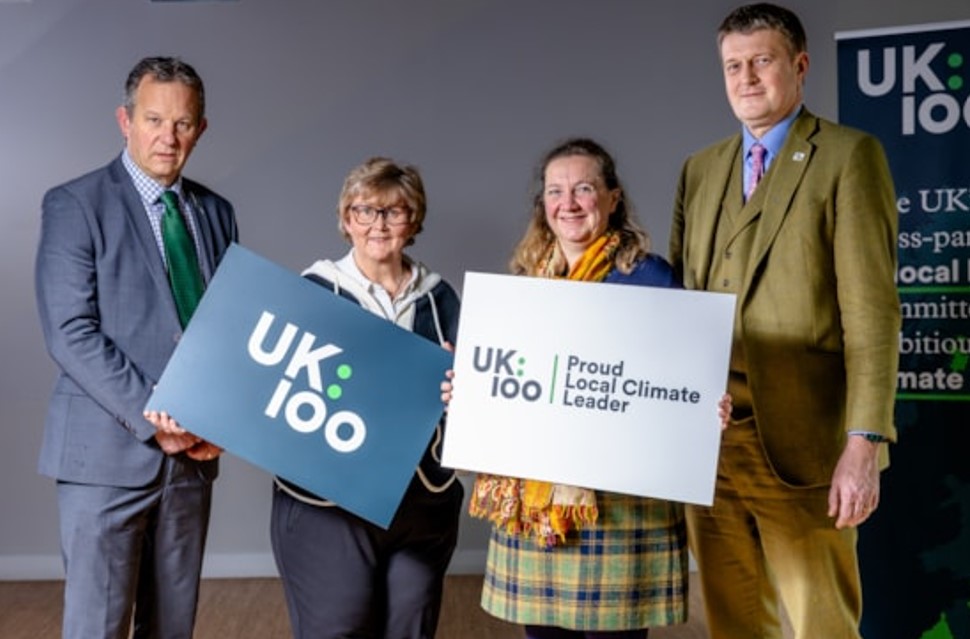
{"x":204,"y":229}
{"x":787,"y":172}
{"x":137,"y":220}
{"x":705,"y":227}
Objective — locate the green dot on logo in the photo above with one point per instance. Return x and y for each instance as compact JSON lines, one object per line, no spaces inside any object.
{"x":954,"y":60}
{"x":519,"y":373}
{"x":955,"y":82}
{"x":521,"y":361}
{"x":334,"y":391}
{"x":344,"y":371}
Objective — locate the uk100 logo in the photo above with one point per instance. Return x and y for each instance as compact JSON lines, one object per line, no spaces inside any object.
{"x":507,"y":370}
{"x":306,"y":410}
{"x":938,"y":68}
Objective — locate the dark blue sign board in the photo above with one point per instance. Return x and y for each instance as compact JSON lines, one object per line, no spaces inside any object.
{"x":306,"y":385}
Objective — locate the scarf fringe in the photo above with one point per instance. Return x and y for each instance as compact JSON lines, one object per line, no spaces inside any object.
{"x":545,"y":511}
{"x":526,"y":507}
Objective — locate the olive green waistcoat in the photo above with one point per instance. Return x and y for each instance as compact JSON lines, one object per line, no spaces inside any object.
{"x":737,"y":227}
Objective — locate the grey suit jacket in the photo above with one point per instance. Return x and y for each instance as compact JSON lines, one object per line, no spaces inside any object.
{"x":818,"y":309}
{"x":110,"y":323}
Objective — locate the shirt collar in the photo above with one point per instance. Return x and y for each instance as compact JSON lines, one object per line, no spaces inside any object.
{"x":774,"y":139}
{"x":148,"y":189}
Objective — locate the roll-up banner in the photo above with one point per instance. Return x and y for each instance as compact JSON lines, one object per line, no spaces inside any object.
{"x":910,"y":86}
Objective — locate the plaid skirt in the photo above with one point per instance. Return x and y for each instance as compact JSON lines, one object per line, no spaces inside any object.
{"x":629,"y":571}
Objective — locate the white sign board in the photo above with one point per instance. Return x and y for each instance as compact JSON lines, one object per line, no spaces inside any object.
{"x":606,"y":386}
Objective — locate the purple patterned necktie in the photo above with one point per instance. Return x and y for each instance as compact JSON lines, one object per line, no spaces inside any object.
{"x":757,"y":169}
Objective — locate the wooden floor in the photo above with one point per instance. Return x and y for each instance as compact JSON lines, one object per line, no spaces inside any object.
{"x":254,"y":609}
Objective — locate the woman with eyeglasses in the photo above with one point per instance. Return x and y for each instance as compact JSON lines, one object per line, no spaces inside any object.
{"x":343,"y":576}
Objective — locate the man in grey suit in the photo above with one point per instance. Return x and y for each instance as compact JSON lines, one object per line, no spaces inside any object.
{"x":133,"y":494}
{"x":795,"y":215}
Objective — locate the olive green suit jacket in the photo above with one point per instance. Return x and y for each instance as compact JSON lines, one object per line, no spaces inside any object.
{"x":818,"y":309}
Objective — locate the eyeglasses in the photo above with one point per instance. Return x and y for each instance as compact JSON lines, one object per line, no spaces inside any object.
{"x":393,"y":215}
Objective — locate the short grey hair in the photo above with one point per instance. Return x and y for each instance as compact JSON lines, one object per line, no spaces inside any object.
{"x":163,"y":69}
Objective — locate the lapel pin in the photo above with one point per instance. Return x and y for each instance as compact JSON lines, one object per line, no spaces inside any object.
{"x":798,"y":156}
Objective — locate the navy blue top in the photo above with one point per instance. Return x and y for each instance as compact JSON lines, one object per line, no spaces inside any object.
{"x":652,"y":270}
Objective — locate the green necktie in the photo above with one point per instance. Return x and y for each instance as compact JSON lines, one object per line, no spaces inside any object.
{"x":183,"y":264}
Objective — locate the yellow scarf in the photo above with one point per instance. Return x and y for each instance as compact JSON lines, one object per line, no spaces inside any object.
{"x":540,"y":509}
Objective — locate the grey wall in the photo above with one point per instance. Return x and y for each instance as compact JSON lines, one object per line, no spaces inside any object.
{"x":300,"y":91}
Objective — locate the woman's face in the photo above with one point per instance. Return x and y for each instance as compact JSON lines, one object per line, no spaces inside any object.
{"x":379,"y":226}
{"x":578,"y":205}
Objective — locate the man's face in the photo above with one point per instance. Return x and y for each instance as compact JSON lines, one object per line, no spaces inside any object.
{"x":763,"y":77}
{"x":162,"y":128}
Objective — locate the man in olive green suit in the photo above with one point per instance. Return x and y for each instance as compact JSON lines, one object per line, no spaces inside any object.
{"x":810,"y":253}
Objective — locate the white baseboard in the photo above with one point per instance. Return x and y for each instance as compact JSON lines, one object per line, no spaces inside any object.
{"x":468,"y":562}
{"x":31,"y":567}
{"x":230,"y":565}
{"x":215,"y":566}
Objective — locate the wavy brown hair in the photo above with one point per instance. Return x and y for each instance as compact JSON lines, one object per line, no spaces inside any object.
{"x":539,"y":238}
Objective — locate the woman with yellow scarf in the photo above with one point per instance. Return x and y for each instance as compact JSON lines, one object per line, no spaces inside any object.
{"x":569,"y":562}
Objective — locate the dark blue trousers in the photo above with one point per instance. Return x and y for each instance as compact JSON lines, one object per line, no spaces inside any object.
{"x":344,"y":577}
{"x":134,"y":549}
